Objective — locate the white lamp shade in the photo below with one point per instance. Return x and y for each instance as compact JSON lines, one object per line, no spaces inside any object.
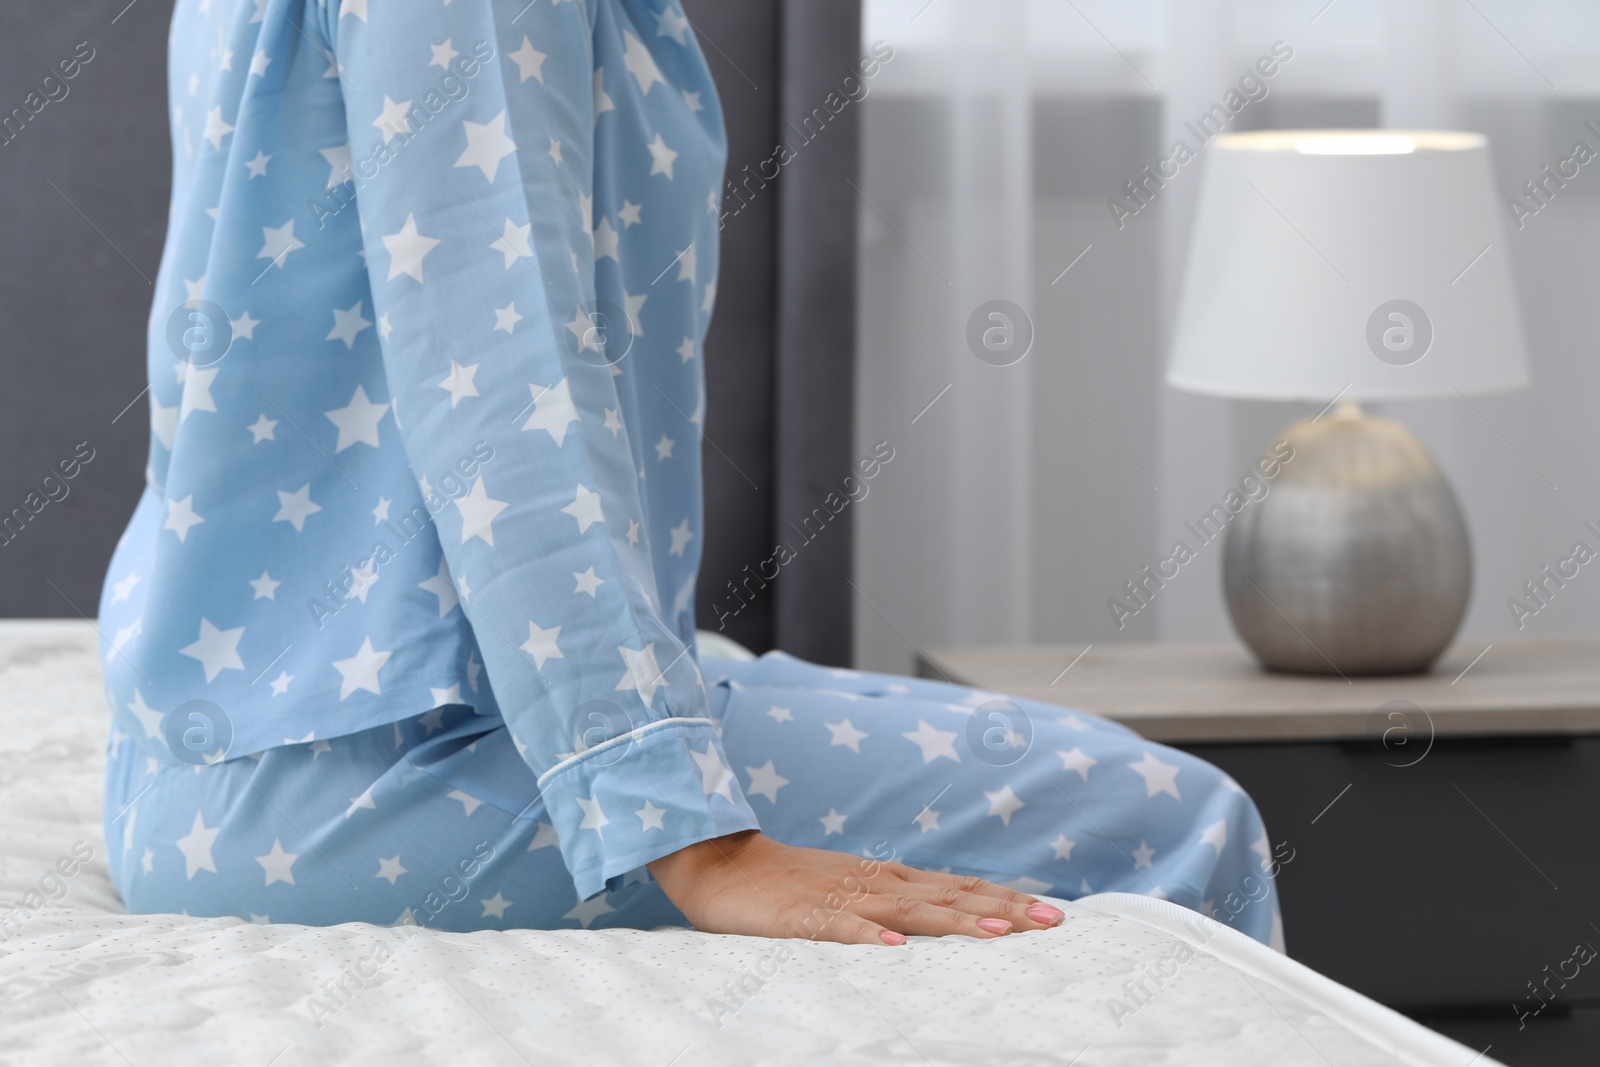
{"x":1362,"y":264}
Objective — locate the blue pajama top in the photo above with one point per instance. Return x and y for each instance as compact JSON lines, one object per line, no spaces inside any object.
{"x":426,"y":394}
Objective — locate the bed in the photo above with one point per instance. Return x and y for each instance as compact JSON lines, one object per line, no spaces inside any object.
{"x":1125,"y":980}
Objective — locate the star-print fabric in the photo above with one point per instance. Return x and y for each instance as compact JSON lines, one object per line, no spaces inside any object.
{"x":438,"y":820}
{"x":425,"y":398}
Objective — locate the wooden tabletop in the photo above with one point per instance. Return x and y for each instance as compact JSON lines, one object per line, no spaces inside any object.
{"x":1188,"y":693}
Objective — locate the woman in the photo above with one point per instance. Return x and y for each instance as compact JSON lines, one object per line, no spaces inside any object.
{"x":403,"y":623}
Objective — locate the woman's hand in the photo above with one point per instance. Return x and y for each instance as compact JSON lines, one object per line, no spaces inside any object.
{"x":746,"y":883}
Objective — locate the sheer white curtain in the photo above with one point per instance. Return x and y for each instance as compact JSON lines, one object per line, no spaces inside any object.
{"x":1022,"y":497}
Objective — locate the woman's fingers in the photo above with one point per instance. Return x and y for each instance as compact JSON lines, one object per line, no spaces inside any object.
{"x":967,"y":883}
{"x":849,"y":928}
{"x":909,"y":915}
{"x":977,"y":904}
{"x":1035,"y":912}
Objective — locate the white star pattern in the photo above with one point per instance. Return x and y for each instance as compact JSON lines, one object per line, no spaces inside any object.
{"x":407,"y":248}
{"x":478,"y":512}
{"x":439,"y":585}
{"x":276,"y":244}
{"x":661,"y":157}
{"x":339,"y":165}
{"x":552,"y":411}
{"x":529,"y":61}
{"x":277,"y":864}
{"x":459,"y":382}
{"x":506,"y":319}
{"x":602,"y":99}
{"x":642,"y":674}
{"x":605,"y":241}
{"x":593,"y":818}
{"x":1158,"y":777}
{"x":196,"y":391}
{"x":124,"y":589}
{"x":680,"y":538}
{"x":935,"y":744}
{"x":487,"y":145}
{"x":671,"y":23}
{"x":442,"y":54}
{"x":390,"y":869}
{"x":347,"y":325}
{"x":715,"y":777}
{"x":363,"y":801}
{"x":588,"y":582}
{"x":181,"y":517}
{"x":1077,"y":760}
{"x":650,"y":817}
{"x":640,"y":63}
{"x":469,"y":803}
{"x":262,"y":429}
{"x":148,"y":717}
{"x":541,"y":644}
{"x":294,"y":508}
{"x":217,"y":650}
{"x":393,"y":120}
{"x":765,"y":782}
{"x":196,"y":848}
{"x":1003,"y":803}
{"x":216,"y":129}
{"x":843,"y":733}
{"x":513,"y":243}
{"x":357,"y":421}
{"x":360,"y":671}
{"x":585,"y":507}
{"x":587,"y":911}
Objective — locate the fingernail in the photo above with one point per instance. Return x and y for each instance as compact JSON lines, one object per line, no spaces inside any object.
{"x":995,"y":926}
{"x":1044,"y":913}
{"x":889,"y":937}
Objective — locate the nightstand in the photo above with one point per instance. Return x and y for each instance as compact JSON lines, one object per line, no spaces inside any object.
{"x":1444,"y":824}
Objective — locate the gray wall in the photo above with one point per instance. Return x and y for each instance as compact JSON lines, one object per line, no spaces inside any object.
{"x":84,"y":191}
{"x":83,"y":205}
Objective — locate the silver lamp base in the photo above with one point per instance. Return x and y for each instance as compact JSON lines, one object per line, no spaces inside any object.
{"x":1357,"y":561}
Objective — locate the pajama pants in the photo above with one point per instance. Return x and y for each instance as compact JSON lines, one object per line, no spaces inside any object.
{"x":437,"y":819}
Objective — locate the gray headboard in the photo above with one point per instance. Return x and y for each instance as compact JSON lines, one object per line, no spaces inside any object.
{"x":84,"y":184}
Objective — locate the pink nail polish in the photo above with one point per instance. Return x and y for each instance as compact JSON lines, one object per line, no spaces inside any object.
{"x":1044,"y":913}
{"x":995,"y":926}
{"x":889,"y":937}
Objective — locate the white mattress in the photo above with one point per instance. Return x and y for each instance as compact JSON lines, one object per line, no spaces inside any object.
{"x":82,"y":983}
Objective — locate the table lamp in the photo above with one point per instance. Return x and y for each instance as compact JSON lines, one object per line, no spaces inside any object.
{"x":1340,"y":266}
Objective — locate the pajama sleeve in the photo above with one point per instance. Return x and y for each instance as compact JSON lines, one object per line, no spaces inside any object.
{"x":472,"y":135}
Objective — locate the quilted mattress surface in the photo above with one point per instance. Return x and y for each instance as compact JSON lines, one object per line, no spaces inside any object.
{"x":1125,"y":980}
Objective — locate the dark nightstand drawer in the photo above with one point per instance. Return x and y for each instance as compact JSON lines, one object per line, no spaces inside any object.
{"x":1454,"y":882}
